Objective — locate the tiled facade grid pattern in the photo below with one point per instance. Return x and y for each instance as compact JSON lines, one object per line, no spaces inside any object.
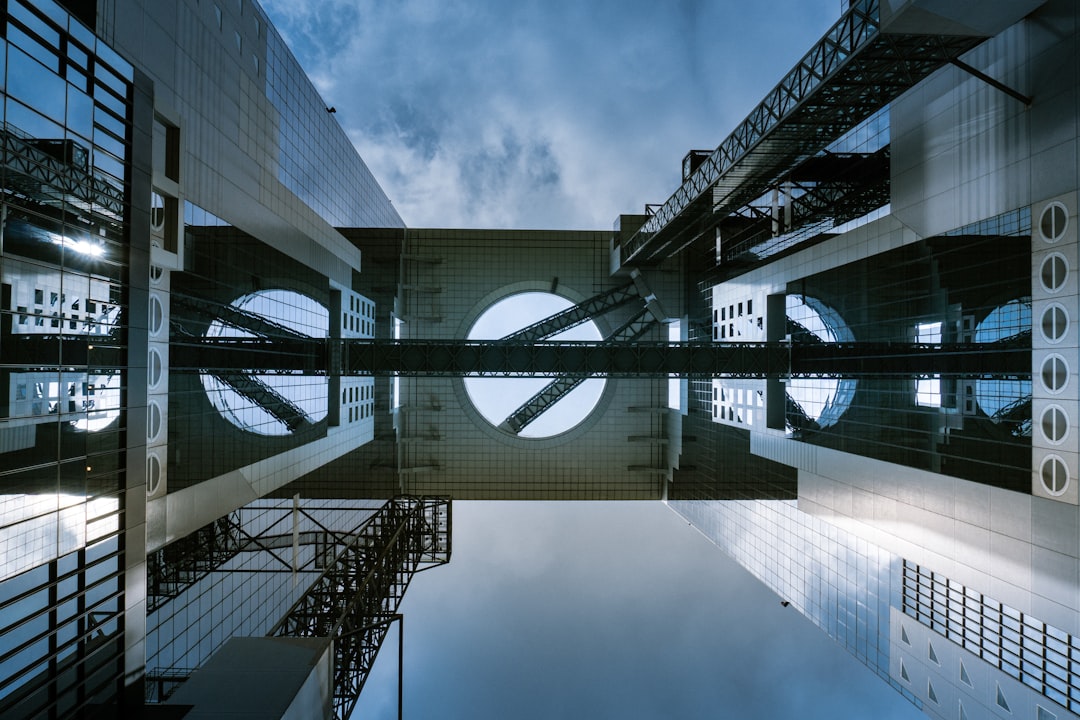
{"x":451,"y":277}
{"x":249,"y":593}
{"x":67,"y":134}
{"x":841,"y":583}
{"x":1039,"y":655}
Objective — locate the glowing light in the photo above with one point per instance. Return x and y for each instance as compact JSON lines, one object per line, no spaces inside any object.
{"x":83,"y":247}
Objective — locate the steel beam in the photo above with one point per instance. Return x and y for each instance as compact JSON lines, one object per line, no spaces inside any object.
{"x":574,"y":316}
{"x":850,"y":73}
{"x":560,"y":387}
{"x":355,"y":598}
{"x":37,"y":174}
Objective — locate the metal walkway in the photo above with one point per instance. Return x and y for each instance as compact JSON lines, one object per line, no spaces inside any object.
{"x":493,"y":358}
{"x":854,"y":70}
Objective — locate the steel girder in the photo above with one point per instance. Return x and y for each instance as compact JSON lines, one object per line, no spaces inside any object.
{"x":354,"y":599}
{"x":251,"y":355}
{"x":662,"y":359}
{"x":180,"y":564}
{"x":560,"y":387}
{"x":49,"y":176}
{"x":241,"y":319}
{"x":851,"y":72}
{"x":273,"y":402}
{"x":825,"y":202}
{"x":492,"y":358}
{"x":574,"y":316}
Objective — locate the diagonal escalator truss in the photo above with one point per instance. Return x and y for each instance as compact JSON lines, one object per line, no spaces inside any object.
{"x":560,"y":387}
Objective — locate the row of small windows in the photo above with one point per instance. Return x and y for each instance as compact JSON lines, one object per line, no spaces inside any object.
{"x":359,"y":305}
{"x":729,"y":311}
{"x":1041,"y":656}
{"x":361,"y":412}
{"x":356,"y":393}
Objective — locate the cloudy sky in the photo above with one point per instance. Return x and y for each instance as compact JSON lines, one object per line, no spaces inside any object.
{"x":541,"y":113}
{"x":564,"y":114}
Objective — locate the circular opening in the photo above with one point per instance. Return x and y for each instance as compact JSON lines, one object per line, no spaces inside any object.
{"x":816,"y":402}
{"x":156,"y":273}
{"x":157,"y":315}
{"x":271,"y":404}
{"x":1055,"y":424}
{"x":1055,"y":269}
{"x":153,"y":474}
{"x":997,"y":397}
{"x":1055,"y":373}
{"x":499,"y":399}
{"x":153,"y":368}
{"x":153,"y":421}
{"x":1053,"y":222}
{"x":1055,"y":323}
{"x":1055,"y":475}
{"x":157,"y":211}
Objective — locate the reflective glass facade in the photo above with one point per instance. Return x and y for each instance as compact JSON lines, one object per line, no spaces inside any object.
{"x":65,"y":334}
{"x":841,"y":583}
{"x":921,"y":501}
{"x":237,"y":578}
{"x":317,"y":161}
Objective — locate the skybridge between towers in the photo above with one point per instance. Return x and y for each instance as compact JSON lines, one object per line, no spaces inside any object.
{"x":494,"y":358}
{"x":873,"y":54}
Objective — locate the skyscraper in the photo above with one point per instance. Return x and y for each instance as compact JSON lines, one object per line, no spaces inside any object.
{"x":871,"y":278}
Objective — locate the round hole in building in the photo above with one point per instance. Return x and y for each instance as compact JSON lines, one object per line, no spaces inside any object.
{"x":499,"y":400}
{"x":1055,"y":424}
{"x":1055,"y":373}
{"x":997,"y":397}
{"x":815,"y":403}
{"x":271,"y":404}
{"x":1054,"y":272}
{"x":1054,"y":474}
{"x":1053,"y":222}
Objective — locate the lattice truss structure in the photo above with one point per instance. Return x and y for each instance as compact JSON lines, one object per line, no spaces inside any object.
{"x":356,"y":597}
{"x":181,"y":564}
{"x":53,"y":172}
{"x":579,"y":359}
{"x":852,"y":72}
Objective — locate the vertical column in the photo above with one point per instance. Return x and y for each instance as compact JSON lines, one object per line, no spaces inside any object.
{"x":1055,"y":462}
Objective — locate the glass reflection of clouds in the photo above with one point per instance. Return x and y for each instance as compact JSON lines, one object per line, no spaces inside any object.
{"x":497,"y":398}
{"x":306,"y":394}
{"x":822,"y":400}
{"x":996,"y":397}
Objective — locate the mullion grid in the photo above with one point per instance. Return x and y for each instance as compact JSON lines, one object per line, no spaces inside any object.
{"x":1041,"y":656}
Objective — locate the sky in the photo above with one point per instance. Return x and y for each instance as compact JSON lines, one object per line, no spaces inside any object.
{"x":564,"y":114}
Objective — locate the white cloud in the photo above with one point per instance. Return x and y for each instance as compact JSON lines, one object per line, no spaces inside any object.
{"x":543,"y":115}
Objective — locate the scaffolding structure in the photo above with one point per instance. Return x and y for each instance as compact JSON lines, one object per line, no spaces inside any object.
{"x":356,"y":597}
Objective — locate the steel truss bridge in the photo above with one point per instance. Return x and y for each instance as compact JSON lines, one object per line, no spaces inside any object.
{"x":362,"y":573}
{"x":852,"y":72}
{"x":492,"y":358}
{"x":356,"y":597}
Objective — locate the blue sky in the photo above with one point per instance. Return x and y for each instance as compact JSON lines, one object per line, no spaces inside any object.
{"x":564,"y":114}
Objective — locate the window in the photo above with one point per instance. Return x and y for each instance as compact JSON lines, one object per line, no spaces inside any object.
{"x":1054,"y":475}
{"x":1055,"y":270}
{"x":1054,"y":222}
{"x":1001,"y":701}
